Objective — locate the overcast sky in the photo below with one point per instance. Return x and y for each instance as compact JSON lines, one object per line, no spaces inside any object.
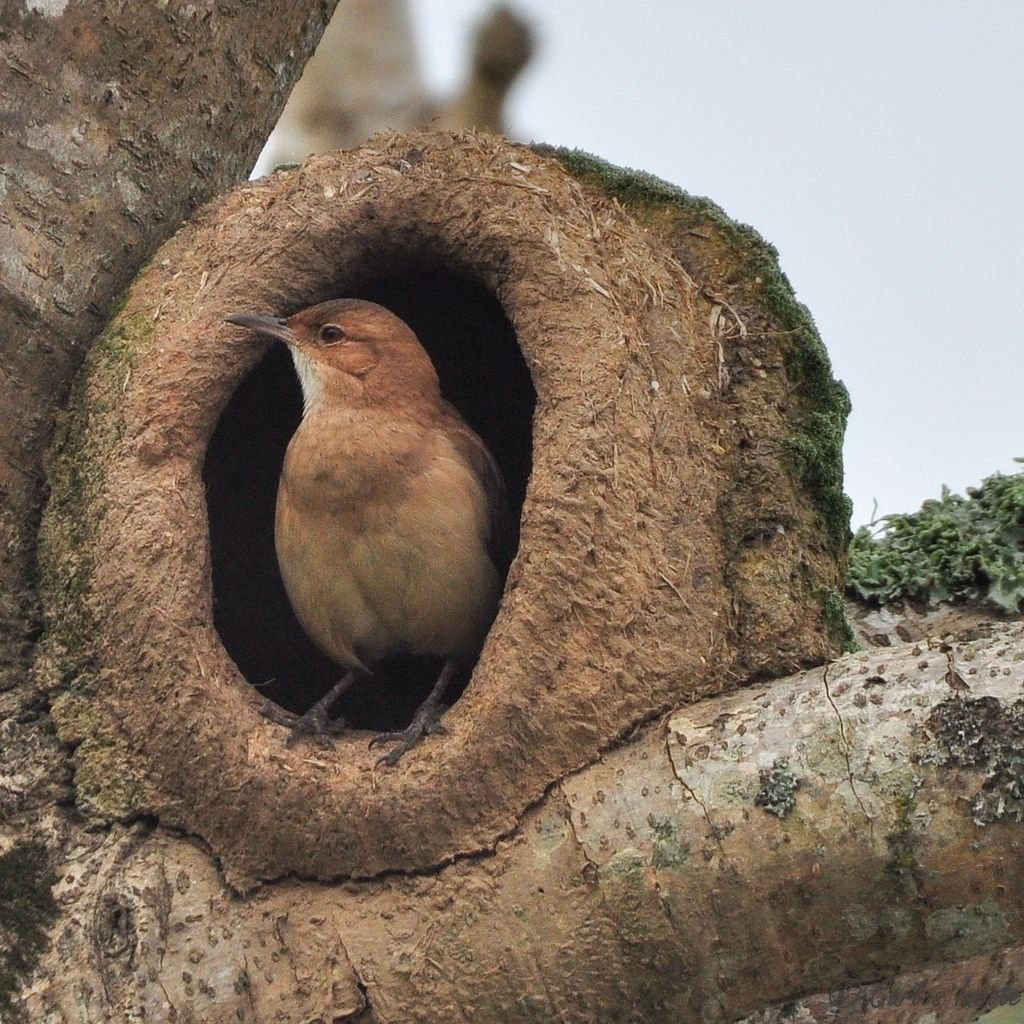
{"x":878,"y":145}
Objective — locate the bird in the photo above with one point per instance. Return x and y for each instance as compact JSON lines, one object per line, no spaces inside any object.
{"x":391,"y":517}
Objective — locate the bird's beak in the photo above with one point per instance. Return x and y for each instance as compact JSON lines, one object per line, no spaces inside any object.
{"x":270,"y":326}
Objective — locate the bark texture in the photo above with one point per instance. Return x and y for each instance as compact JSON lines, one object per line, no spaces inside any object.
{"x":751,"y":849}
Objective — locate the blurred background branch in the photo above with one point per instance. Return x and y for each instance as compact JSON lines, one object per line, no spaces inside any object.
{"x":366,"y":76}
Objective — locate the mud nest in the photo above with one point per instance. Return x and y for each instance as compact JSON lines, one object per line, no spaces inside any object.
{"x":661,"y":408}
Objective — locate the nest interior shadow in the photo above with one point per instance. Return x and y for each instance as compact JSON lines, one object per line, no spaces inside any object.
{"x":482,"y":371}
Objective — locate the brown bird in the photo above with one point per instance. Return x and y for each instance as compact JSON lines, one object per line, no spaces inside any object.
{"x":391,"y":512}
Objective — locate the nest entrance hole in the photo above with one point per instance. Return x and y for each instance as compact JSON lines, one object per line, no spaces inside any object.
{"x":473,"y":346}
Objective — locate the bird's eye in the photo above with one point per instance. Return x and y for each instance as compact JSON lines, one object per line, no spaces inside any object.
{"x":331,"y":334}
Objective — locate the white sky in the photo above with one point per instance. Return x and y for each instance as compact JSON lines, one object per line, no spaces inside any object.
{"x":878,"y":145}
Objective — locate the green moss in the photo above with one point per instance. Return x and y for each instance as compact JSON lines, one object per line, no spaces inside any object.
{"x":814,"y":449}
{"x":630,"y":187}
{"x":902,"y":863}
{"x":85,"y":436}
{"x":815,"y":455}
{"x":27,"y":908}
{"x":104,"y":783}
{"x":777,"y":794}
{"x":90,"y":428}
{"x":833,"y":612}
{"x":954,"y":549}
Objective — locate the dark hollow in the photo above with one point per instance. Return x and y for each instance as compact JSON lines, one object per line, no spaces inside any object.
{"x":482,"y":372}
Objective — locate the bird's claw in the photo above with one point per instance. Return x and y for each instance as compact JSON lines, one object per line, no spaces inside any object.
{"x":315,"y":723}
{"x":426,"y":722}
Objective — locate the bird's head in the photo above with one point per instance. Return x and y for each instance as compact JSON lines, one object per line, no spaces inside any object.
{"x":353,"y":350}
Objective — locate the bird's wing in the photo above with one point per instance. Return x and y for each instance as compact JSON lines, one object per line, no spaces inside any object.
{"x":483,"y":464}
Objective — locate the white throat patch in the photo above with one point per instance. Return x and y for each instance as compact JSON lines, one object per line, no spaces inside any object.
{"x":308,"y":379}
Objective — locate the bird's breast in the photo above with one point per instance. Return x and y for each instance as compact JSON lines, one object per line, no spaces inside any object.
{"x":381,"y":538}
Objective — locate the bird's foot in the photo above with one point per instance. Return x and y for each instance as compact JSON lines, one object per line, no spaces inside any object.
{"x":426,"y":722}
{"x":316,"y":722}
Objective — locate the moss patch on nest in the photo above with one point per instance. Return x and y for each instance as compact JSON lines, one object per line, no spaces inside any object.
{"x":88,"y":431}
{"x":814,"y":450}
{"x":833,"y":612}
{"x":27,"y":908}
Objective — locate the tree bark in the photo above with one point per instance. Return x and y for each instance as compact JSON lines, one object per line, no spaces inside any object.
{"x":842,"y":842}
